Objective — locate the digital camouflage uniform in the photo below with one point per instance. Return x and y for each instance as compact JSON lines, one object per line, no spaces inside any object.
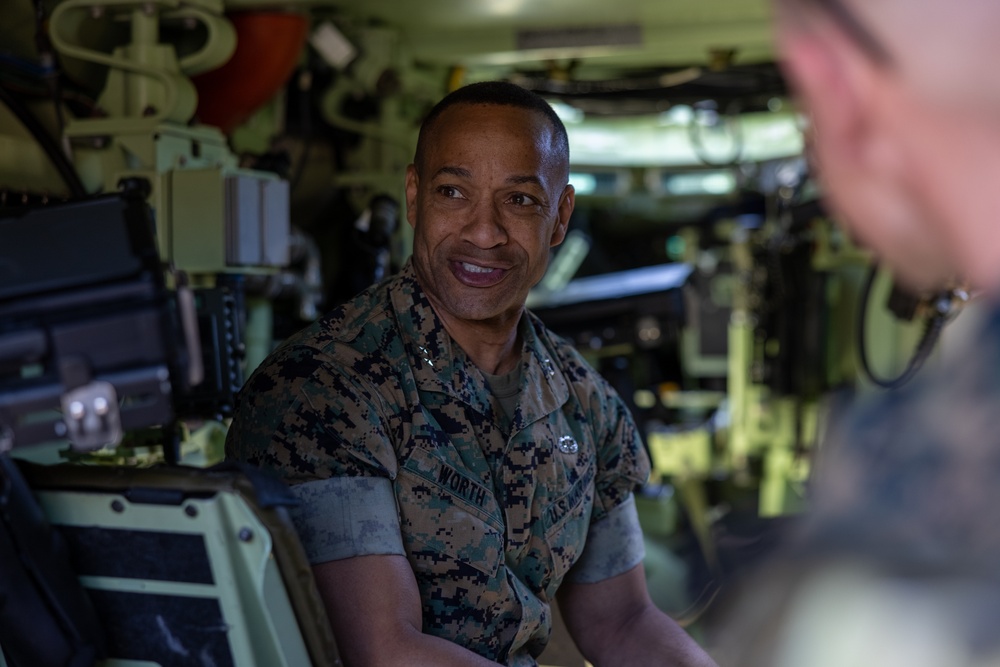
{"x":392,"y":440}
{"x":902,"y":544}
{"x":912,"y":476}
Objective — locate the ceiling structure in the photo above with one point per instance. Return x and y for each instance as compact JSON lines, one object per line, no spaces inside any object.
{"x":605,"y":57}
{"x":598,"y":33}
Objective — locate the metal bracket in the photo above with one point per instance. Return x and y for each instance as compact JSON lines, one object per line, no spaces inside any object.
{"x":92,"y":417}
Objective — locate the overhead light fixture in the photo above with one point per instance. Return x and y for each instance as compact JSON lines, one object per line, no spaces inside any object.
{"x":577,"y":37}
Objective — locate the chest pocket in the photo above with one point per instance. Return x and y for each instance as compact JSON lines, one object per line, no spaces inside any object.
{"x":566,"y":521}
{"x":450,"y":521}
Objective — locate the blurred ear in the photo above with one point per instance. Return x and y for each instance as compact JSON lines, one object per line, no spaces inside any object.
{"x":863,"y":135}
{"x":567,"y":201}
{"x":412,"y":183}
{"x":821,"y":69}
{"x":853,"y":104}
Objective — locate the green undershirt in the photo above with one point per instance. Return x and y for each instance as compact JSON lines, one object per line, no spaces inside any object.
{"x":506,"y":388}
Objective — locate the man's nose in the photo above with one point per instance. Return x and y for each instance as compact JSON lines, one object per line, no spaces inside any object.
{"x":485,"y":227}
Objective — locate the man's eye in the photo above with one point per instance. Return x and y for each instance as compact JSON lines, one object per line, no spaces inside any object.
{"x":522,"y":200}
{"x":450,"y":192}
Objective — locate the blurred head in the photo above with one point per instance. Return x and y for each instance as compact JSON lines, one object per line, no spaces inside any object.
{"x":905,"y":127}
{"x":487,"y":197}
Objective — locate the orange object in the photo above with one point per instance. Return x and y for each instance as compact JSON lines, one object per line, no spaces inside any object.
{"x":268,"y":47}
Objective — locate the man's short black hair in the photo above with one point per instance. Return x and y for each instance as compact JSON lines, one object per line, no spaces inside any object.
{"x":499,"y":93}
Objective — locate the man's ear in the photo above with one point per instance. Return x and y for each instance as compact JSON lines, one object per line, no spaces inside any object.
{"x":833,"y":80}
{"x":566,"y":203}
{"x":412,"y":183}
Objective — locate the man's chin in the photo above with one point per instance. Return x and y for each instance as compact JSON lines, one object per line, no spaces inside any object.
{"x":460,"y":304}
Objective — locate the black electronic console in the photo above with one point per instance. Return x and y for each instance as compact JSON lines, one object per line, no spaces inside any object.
{"x":93,"y":342}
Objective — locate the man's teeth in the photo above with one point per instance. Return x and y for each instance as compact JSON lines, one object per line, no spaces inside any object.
{"x":472,"y":268}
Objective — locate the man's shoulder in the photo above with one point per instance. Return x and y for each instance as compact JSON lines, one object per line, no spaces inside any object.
{"x":370,"y":309}
{"x":356,"y":334}
{"x":962,"y":386}
{"x":360,"y":323}
{"x":908,"y":475}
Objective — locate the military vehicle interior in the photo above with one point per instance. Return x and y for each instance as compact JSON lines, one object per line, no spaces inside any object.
{"x":184,"y":183}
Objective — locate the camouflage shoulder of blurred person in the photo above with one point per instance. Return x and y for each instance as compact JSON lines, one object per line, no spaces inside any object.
{"x":896,"y":562}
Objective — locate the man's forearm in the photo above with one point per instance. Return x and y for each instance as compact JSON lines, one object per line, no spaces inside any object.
{"x":373,"y":605}
{"x":415,"y":649}
{"x":653,"y":638}
{"x":430,"y":651}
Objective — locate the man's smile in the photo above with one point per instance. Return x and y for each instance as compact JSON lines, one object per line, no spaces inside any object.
{"x":477,"y":275}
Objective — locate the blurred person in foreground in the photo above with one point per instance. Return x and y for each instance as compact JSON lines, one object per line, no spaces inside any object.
{"x":460,"y":466}
{"x":898,"y":562}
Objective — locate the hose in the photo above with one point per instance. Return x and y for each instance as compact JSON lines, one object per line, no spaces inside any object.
{"x":929,"y":338}
{"x":47,"y":144}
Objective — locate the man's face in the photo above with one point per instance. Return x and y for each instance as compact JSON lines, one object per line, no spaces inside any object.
{"x":486,"y":202}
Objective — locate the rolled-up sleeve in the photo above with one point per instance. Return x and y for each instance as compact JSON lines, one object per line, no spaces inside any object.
{"x":614,"y":546}
{"x":343,"y":517}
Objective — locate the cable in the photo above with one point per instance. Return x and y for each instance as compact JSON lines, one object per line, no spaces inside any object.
{"x":304,"y":83}
{"x":50,"y":69}
{"x":47,"y":143}
{"x":929,"y":337}
{"x":28,"y":89}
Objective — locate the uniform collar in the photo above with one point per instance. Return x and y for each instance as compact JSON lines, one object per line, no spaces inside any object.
{"x":440,"y":365}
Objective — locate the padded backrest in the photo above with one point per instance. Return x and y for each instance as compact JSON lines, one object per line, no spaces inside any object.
{"x":189,"y":566}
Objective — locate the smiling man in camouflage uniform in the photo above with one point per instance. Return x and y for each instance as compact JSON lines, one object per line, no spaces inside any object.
{"x":458,"y":464}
